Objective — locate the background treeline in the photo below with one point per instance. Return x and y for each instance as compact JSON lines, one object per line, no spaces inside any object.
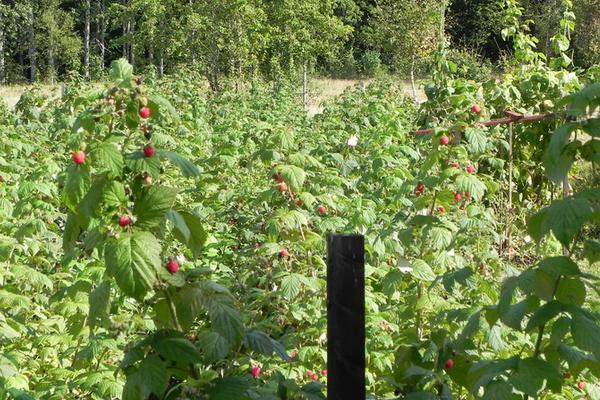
{"x":45,"y":40}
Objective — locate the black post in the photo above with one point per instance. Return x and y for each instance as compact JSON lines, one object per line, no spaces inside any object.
{"x":346,"y":317}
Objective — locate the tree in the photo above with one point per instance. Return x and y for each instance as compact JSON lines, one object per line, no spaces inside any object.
{"x":473,"y":24}
{"x":303,"y":32}
{"x":405,"y":32}
{"x":587,"y":37}
{"x":227,"y":37}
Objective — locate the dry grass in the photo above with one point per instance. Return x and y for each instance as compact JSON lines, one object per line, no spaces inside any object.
{"x":321,"y":89}
{"x":12,"y":94}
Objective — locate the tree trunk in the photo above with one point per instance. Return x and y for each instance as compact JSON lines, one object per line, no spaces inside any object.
{"x":51,"y":67}
{"x":31,"y":48}
{"x":125,"y":32}
{"x":102,"y":34}
{"x":86,"y":40}
{"x":161,"y":64}
{"x":2,"y":62}
{"x":132,"y":45}
{"x":413,"y":85}
{"x":305,"y":86}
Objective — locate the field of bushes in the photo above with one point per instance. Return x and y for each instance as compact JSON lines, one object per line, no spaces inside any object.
{"x":161,"y":242}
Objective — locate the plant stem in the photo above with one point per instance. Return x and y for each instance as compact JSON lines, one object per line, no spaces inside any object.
{"x":538,"y":343}
{"x":173,"y":310}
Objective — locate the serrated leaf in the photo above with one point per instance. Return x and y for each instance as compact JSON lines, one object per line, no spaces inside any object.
{"x":214,"y":346}
{"x":291,"y":285}
{"x":592,"y":251}
{"x":152,"y":205}
{"x":133,"y":387}
{"x":160,"y":106}
{"x":174,"y":346}
{"x":154,"y":372}
{"x":534,"y":374}
{"x":76,"y":185}
{"x":571,"y":291}
{"x":497,"y":391}
{"x":476,"y":139}
{"x":586,"y":334}
{"x":421,"y":270}
{"x":294,"y":176}
{"x":470,"y":183}
{"x":560,"y":265}
{"x":134,"y":261}
{"x":563,"y":217}
{"x":544,"y":314}
{"x":260,"y":342}
{"x":107,"y":157}
{"x":559,"y":156}
{"x":121,"y":71}
{"x":229,"y":388}
{"x":189,"y":230}
{"x":99,"y":301}
{"x":188,"y":169}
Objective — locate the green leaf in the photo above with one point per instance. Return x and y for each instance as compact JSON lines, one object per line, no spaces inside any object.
{"x":476,"y":139}
{"x":571,"y":291}
{"x":586,"y":334}
{"x":90,"y":204}
{"x":229,"y":388}
{"x":218,"y":302}
{"x":99,"y":300}
{"x":76,"y":185}
{"x":174,"y":346}
{"x":7,"y":367}
{"x":260,"y":342}
{"x":133,"y":387}
{"x":152,"y":205}
{"x":291,"y":285}
{"x":497,"y":391}
{"x":107,"y":157}
{"x":575,"y":358}
{"x":188,"y":169}
{"x":544,"y":285}
{"x":564,"y":218}
{"x":214,"y":346}
{"x":534,"y":374}
{"x":439,"y":237}
{"x":421,"y":270}
{"x":160,"y":106}
{"x":470,"y":183}
{"x":559,"y":155}
{"x":114,"y":195}
{"x":143,"y":165}
{"x":514,"y":315}
{"x":592,"y":251}
{"x":561,"y":265}
{"x":121,"y":72}
{"x":293,"y":176}
{"x":154,"y":372}
{"x":544,"y":314}
{"x":134,"y":261}
{"x":189,"y":230}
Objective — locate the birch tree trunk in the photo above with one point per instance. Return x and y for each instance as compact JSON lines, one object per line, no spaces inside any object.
{"x":2,"y":62}
{"x":86,"y":40}
{"x":131,"y":44}
{"x":101,"y":24}
{"x":412,"y":80}
{"x":31,"y":47}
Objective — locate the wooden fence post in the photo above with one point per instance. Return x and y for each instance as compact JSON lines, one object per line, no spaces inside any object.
{"x":346,"y":317}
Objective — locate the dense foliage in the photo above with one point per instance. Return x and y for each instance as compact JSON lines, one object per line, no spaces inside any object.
{"x":42,"y":40}
{"x":161,"y":242}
